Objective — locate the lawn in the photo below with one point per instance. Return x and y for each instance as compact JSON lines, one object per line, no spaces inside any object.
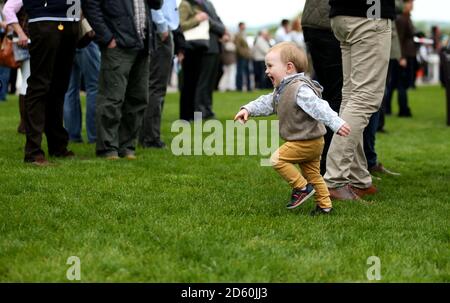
{"x":167,"y":218}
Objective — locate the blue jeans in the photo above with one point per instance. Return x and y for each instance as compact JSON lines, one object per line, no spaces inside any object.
{"x":4,"y":80}
{"x":86,"y":64}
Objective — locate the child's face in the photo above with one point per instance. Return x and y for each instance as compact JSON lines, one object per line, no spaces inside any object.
{"x":276,"y":69}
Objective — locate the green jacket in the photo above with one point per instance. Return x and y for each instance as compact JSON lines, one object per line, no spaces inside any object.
{"x":316,"y":14}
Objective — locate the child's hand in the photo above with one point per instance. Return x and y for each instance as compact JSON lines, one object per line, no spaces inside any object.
{"x":242,"y":116}
{"x":344,"y":131}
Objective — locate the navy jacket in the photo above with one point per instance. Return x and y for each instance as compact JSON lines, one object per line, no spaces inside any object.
{"x":115,"y":19}
{"x":47,"y":10}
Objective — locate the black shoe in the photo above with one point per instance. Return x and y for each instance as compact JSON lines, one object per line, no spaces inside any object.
{"x":321,"y":211}
{"x":154,"y":144}
{"x":64,"y":154}
{"x":299,"y":196}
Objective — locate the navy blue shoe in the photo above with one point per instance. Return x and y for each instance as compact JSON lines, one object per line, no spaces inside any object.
{"x":298,"y":196}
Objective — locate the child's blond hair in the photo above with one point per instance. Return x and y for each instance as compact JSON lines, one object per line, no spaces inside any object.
{"x":290,"y":52}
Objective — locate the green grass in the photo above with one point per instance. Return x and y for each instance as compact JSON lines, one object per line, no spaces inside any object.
{"x":164,"y":218}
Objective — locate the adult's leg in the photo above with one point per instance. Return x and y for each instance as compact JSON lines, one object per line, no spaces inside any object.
{"x":239,"y":73}
{"x":326,"y":57}
{"x":4,"y":80}
{"x":72,"y":104}
{"x":90,"y":58}
{"x":115,"y":67}
{"x":136,"y":98}
{"x":365,"y":43}
{"x":369,"y":140}
{"x":43,"y":50}
{"x":57,"y":137}
{"x":205,"y":85}
{"x":190,"y":74}
{"x":160,"y":69}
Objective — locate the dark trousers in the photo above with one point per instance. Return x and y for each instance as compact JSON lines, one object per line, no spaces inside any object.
{"x":199,"y":74}
{"x":121,"y":99}
{"x":261,"y":80}
{"x":243,"y":74}
{"x":52,"y":52}
{"x":160,"y":71}
{"x":400,"y":79}
{"x":326,"y":55}
{"x":369,"y":139}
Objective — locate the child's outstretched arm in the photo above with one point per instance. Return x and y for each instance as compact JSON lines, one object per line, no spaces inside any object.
{"x":320,"y":110}
{"x":263,"y":106}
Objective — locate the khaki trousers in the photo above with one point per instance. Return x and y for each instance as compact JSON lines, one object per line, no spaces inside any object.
{"x":365,"y":45}
{"x":307,"y":155}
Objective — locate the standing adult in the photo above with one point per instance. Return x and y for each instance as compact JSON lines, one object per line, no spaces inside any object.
{"x":244,"y":55}
{"x":296,"y":33}
{"x":228,"y":57}
{"x":124,"y":33}
{"x":166,"y":20}
{"x":282,"y":32}
{"x":200,"y":66}
{"x":326,"y":57}
{"x":405,"y":29}
{"x":53,"y":33}
{"x":364,"y":32}
{"x":260,"y":50}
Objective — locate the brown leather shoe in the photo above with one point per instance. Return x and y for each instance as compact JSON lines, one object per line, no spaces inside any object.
{"x":361,"y":192}
{"x":342,"y":193}
{"x":380,"y":169}
{"x":40,"y":161}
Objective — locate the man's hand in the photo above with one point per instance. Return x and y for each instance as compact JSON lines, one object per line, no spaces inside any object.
{"x":242,"y":116}
{"x":344,"y":131}
{"x":23,"y":41}
{"x":112,"y":43}
{"x":91,"y":34}
{"x":403,"y":63}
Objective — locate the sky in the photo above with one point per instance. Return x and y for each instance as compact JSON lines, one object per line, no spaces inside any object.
{"x":257,"y":13}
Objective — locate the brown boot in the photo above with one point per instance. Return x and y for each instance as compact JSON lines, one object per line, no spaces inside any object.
{"x":21,"y":127}
{"x":361,"y":192}
{"x":342,"y":193}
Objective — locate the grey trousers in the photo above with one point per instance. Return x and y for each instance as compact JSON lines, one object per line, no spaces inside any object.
{"x":121,"y":100}
{"x":160,"y":72}
{"x":365,"y":45}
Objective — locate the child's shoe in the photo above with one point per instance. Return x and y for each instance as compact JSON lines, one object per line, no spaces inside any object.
{"x":299,"y":196}
{"x":321,"y":211}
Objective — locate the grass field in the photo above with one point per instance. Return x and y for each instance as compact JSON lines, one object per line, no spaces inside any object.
{"x":164,"y":218}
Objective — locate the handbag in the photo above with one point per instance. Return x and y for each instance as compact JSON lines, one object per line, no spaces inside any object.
{"x":7,"y":54}
{"x":197,"y":38}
